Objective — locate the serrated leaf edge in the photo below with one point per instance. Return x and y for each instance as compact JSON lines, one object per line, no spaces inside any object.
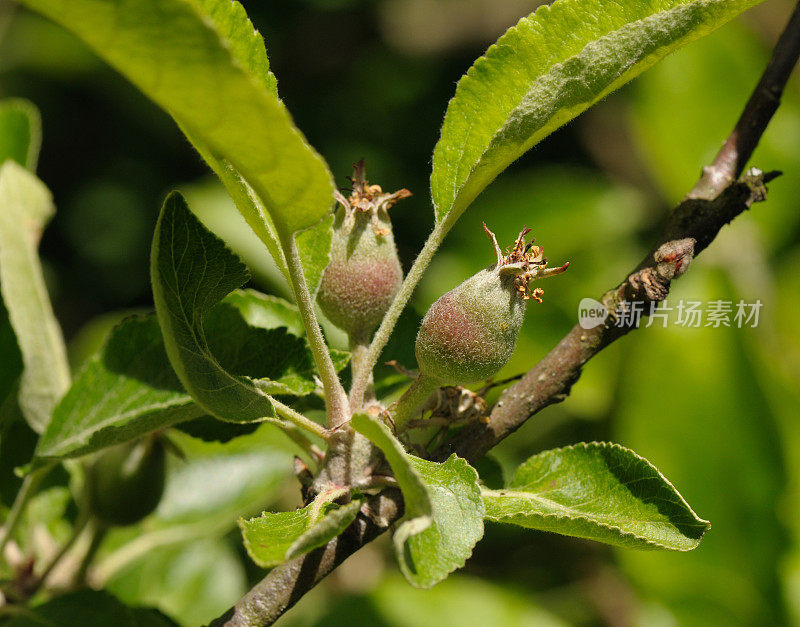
{"x":399,"y":544}
{"x":700,"y":522}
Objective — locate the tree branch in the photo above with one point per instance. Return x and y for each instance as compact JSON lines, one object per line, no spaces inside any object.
{"x":764,"y":101}
{"x":715,"y":200}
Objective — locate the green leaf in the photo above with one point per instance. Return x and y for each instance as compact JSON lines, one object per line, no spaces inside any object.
{"x":546,"y":70}
{"x":428,"y":557}
{"x":25,"y":208}
{"x":202,"y":61}
{"x":332,"y":524}
{"x":20,"y":132}
{"x":220,"y":482}
{"x":127,"y":389}
{"x":443,"y":508}
{"x":277,"y":361}
{"x":191,"y":271}
{"x":274,"y":538}
{"x":87,"y":608}
{"x":598,"y":491}
{"x":417,"y":503}
{"x":267,"y":312}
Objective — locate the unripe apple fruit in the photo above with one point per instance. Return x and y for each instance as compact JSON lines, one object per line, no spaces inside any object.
{"x":364,"y":271}
{"x":469,"y":333}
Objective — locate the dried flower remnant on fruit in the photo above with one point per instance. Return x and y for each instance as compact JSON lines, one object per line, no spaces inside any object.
{"x":371,"y":199}
{"x":526,"y":262}
{"x":364,"y":271}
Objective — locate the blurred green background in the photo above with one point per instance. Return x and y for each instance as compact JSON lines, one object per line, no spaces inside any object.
{"x":715,"y":409}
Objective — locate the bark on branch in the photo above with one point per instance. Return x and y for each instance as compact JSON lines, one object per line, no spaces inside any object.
{"x":716,"y":199}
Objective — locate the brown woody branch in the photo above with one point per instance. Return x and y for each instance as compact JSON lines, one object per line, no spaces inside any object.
{"x":716,"y":199}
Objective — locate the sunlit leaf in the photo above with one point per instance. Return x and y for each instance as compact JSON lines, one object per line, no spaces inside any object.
{"x":443,"y":508}
{"x":25,"y":209}
{"x":273,"y":538}
{"x":550,"y":67}
{"x":598,"y":491}
{"x":203,"y":62}
{"x":428,"y":557}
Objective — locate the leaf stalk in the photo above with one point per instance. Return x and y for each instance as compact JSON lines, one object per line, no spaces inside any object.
{"x":335,"y":396}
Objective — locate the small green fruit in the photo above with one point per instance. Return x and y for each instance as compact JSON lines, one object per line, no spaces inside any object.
{"x":470,"y":332}
{"x":364,"y":272}
{"x":125,"y":482}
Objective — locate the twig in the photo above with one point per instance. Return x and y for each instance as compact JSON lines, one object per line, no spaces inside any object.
{"x":713,"y":202}
{"x":80,"y":524}
{"x":97,"y":533}
{"x":299,"y":420}
{"x":764,"y":101}
{"x":29,"y":486}
{"x":335,"y":396}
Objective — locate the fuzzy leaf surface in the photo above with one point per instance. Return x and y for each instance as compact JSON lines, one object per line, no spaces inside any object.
{"x":429,"y":556}
{"x":546,"y":70}
{"x":204,"y":63}
{"x":25,"y":208}
{"x":125,"y":390}
{"x":273,"y":538}
{"x":313,"y":243}
{"x":599,"y":491}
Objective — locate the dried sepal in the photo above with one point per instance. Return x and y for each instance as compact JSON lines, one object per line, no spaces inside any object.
{"x":366,"y":198}
{"x":526,"y":262}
